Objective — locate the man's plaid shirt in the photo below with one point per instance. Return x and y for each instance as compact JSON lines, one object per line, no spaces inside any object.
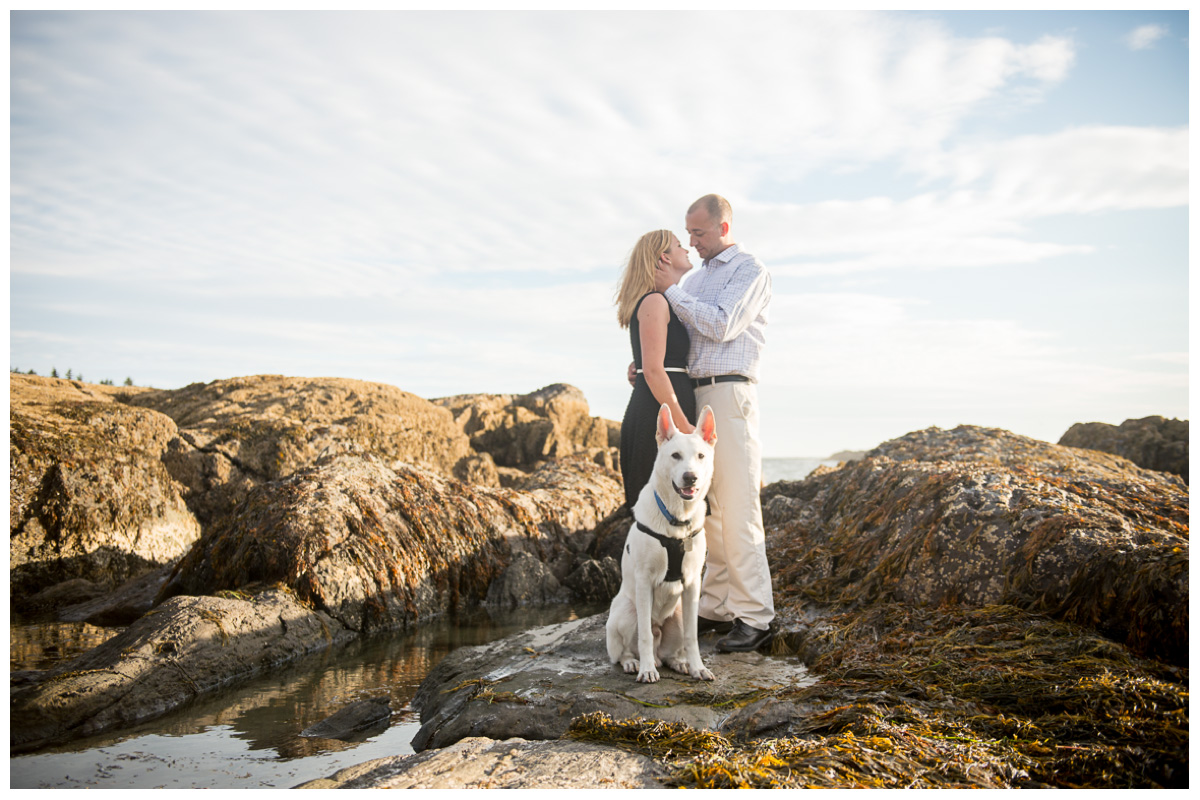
{"x":725,"y":310}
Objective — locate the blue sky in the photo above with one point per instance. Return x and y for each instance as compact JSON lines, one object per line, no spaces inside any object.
{"x":970,"y":217}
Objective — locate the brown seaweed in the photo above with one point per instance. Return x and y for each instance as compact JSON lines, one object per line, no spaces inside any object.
{"x":993,"y":697}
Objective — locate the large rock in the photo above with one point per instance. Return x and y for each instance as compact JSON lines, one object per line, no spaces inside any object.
{"x":521,"y":431}
{"x":353,"y":720}
{"x":381,"y":547}
{"x":187,"y":647}
{"x":533,"y":684}
{"x":122,"y":605}
{"x":1151,"y":442}
{"x":526,"y":581}
{"x":481,"y":763}
{"x":239,"y":433}
{"x":978,"y":516}
{"x":89,"y":496}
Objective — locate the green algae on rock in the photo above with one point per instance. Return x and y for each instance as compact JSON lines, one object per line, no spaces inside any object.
{"x":531,"y":685}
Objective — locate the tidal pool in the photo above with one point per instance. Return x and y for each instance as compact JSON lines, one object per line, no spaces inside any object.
{"x":247,"y":736}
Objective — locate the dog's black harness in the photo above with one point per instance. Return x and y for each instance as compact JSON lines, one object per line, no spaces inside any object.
{"x":675,"y":547}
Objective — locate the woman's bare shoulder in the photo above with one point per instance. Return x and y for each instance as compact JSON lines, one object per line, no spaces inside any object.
{"x":654,"y":303}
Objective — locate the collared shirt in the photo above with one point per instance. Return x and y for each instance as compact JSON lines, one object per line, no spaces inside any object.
{"x":725,"y":310}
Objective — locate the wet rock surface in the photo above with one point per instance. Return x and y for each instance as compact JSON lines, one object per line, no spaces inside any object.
{"x":1151,"y":442}
{"x":482,"y":763}
{"x":534,"y":684}
{"x":89,"y":496}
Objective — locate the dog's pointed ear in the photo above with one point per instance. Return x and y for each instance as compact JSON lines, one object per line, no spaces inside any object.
{"x":707,"y":425}
{"x":666,"y":426}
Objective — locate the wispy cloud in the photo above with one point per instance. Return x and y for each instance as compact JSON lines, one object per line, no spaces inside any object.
{"x":1144,"y":37}
{"x":443,"y":201}
{"x":994,"y":191}
{"x":313,"y":152}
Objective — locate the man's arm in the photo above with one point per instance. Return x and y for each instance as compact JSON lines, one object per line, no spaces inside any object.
{"x":741,"y":301}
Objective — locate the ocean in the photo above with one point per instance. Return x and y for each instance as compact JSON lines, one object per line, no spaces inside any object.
{"x":791,"y":469}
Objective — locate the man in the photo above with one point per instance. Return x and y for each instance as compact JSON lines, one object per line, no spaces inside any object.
{"x":724,"y":308}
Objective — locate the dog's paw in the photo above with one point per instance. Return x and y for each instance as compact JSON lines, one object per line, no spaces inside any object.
{"x":702,"y":674}
{"x":648,"y":675}
{"x":630,"y":665}
{"x":679,"y":665}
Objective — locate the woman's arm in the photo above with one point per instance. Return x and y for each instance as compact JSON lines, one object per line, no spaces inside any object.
{"x":653,"y":318}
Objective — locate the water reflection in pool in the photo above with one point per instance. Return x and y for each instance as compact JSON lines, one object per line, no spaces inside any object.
{"x":247,"y":737}
{"x":41,"y":645}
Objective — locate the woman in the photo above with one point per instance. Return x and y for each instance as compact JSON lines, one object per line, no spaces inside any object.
{"x":660,"y":351}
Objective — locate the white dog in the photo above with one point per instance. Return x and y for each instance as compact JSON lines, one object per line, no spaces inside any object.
{"x":652,"y":620}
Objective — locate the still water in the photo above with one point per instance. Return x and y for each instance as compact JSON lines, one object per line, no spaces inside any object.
{"x":247,"y":737}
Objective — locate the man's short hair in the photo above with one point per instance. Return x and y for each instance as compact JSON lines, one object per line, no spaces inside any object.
{"x":717,"y":208}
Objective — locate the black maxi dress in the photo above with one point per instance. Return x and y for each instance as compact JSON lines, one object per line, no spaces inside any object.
{"x":638,"y":446}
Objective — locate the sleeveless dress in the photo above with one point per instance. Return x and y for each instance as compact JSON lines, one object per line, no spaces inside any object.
{"x":638,"y":446}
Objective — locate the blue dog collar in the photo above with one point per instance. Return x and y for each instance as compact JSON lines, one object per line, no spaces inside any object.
{"x":678,"y":523}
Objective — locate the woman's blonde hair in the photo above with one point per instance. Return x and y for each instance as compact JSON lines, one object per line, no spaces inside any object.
{"x":639,"y":273}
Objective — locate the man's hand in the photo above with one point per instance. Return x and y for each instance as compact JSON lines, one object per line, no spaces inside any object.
{"x":664,"y":278}
{"x":632,"y":376}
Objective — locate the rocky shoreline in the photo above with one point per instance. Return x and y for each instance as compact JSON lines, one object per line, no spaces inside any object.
{"x":935,"y":587}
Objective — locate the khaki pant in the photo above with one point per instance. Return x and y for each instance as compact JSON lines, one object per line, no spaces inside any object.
{"x":737,"y":581}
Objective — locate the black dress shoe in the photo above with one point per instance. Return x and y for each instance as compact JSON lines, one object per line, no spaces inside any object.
{"x":743,"y":639}
{"x":704,"y":625}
